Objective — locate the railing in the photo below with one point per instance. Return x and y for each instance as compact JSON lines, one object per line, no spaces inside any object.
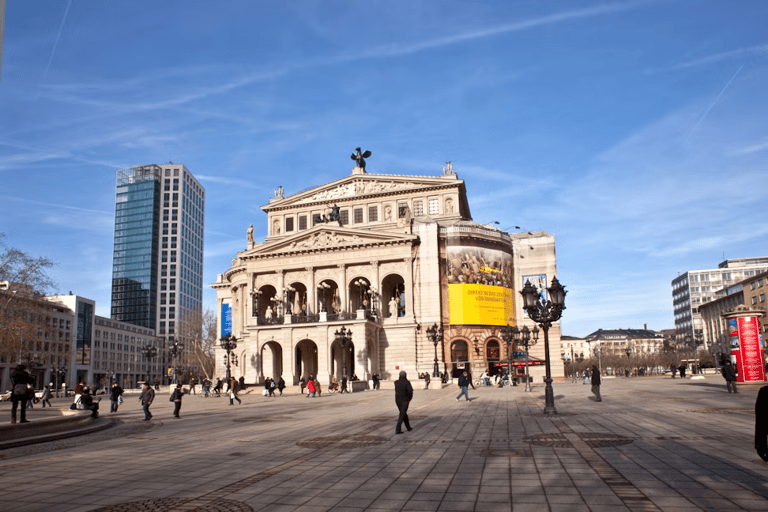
{"x":305,"y":319}
{"x":276,"y":320}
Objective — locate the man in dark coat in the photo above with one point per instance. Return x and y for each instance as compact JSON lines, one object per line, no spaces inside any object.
{"x":20,"y":392}
{"x":596,"y":383}
{"x":729,"y":374}
{"x":114,"y":396}
{"x":403,"y":396}
{"x":146,"y":398}
{"x":761,"y":423}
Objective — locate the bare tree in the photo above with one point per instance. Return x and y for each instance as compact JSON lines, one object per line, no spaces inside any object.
{"x":23,"y":283}
{"x":199,"y":328}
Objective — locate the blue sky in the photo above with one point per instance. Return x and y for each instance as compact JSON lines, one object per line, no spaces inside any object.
{"x":635,"y":132}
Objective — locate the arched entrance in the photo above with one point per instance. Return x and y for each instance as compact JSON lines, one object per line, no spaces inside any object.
{"x":359,"y":294}
{"x":459,"y":358}
{"x":263,"y":299}
{"x":493,"y":357}
{"x":337,"y":363}
{"x":272,"y":360}
{"x":305,"y":361}
{"x":296,"y":298}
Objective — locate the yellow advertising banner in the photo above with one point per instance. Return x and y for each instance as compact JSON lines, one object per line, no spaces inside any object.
{"x":481,"y":304}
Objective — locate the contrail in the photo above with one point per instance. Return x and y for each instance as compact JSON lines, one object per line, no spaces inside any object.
{"x":58,"y":35}
{"x":714,"y":102}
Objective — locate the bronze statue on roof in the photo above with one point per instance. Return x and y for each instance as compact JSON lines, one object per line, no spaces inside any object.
{"x":359,"y":157}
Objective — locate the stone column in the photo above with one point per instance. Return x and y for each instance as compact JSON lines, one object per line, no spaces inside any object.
{"x":280,"y":292}
{"x":377,"y":285}
{"x":343,"y":287}
{"x":311,"y":292}
{"x":409,"y":289}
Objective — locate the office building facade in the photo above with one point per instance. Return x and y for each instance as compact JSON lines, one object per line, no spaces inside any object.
{"x":157,"y":276}
{"x":696,"y":287}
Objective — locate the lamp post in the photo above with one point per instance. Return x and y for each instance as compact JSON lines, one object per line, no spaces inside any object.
{"x":323,"y":287}
{"x":59,"y":373}
{"x":256,"y":294}
{"x":508,"y":335}
{"x":527,"y":338}
{"x":229,"y":343}
{"x":288,"y":294}
{"x":343,"y":337}
{"x":629,"y":364}
{"x":544,"y":313}
{"x":697,"y":339}
{"x":435,"y":334}
{"x":361,"y":285}
{"x":175,"y":348}
{"x":149,"y":352}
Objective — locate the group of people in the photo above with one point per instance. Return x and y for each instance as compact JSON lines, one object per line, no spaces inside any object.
{"x":270,"y":385}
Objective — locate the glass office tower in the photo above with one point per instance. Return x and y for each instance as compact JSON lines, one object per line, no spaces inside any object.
{"x":157,"y":273}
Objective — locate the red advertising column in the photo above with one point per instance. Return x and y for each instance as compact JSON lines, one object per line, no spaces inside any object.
{"x":746,"y":344}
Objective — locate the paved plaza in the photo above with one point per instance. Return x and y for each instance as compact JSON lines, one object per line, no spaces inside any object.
{"x":652,"y":444}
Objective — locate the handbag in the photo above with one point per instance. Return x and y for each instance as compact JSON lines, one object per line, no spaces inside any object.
{"x":120,"y":400}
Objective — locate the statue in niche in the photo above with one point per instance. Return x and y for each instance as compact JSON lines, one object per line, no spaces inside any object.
{"x":276,"y":227}
{"x":359,"y":157}
{"x":449,"y":205}
{"x":249,"y":234}
{"x":393,"y":306}
{"x":387,"y":214}
{"x":270,"y":313}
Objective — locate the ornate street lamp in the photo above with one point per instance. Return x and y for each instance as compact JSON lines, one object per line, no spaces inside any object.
{"x":59,"y":372}
{"x":175,"y":348}
{"x":545,"y":313}
{"x":229,"y":343}
{"x":256,"y":294}
{"x":629,"y":363}
{"x":288,"y":298}
{"x":323,"y":287}
{"x":361,"y":284}
{"x":343,"y":337}
{"x":509,"y":334}
{"x":435,"y":334}
{"x":149,"y":352}
{"x":527,"y":338}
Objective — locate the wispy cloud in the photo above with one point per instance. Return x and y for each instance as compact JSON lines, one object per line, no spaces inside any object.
{"x":750,"y":149}
{"x":760,"y":50}
{"x":54,"y":205}
{"x":226,"y":181}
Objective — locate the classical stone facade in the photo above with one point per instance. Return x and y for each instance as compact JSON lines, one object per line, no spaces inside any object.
{"x":376,"y":254}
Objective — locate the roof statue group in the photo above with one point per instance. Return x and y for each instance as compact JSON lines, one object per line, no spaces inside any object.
{"x":359,"y":157}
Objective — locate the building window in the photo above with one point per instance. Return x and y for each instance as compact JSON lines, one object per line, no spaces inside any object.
{"x":434,"y":206}
{"x":289,"y":224}
{"x":344,"y":217}
{"x":302,"y":222}
{"x":358,"y":215}
{"x":762,"y":297}
{"x":418,"y":208}
{"x":402,"y":211}
{"x":373,"y":214}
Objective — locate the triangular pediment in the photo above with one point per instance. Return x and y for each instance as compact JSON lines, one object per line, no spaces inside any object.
{"x":361,"y":185}
{"x":323,"y":237}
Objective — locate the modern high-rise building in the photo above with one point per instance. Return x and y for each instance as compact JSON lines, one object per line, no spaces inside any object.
{"x":157,"y":272}
{"x":696,"y":287}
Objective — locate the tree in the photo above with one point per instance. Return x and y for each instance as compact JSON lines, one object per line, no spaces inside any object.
{"x":199,"y":329}
{"x":24,"y":282}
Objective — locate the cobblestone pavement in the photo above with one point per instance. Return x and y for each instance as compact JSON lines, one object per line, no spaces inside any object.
{"x":651,"y":444}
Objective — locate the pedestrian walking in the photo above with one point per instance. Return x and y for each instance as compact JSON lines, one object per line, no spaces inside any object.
{"x":192,"y":384}
{"x":729,"y":374}
{"x":344,"y":385}
{"x":281,"y":385}
{"x":318,"y":388}
{"x":273,"y":387}
{"x":115,"y":397}
{"x":310,"y":387}
{"x":176,"y":397}
{"x":47,"y":394}
{"x":375,"y":378}
{"x":242,"y":382}
{"x":218,"y":386}
{"x":403,"y":397}
{"x":463,"y":384}
{"x":233,"y":389}
{"x":303,"y":384}
{"x":761,"y":423}
{"x":682,"y":371}
{"x":673,"y":368}
{"x":596,"y":383}
{"x":20,"y":380}
{"x":146,"y":398}
{"x":268,"y":386}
